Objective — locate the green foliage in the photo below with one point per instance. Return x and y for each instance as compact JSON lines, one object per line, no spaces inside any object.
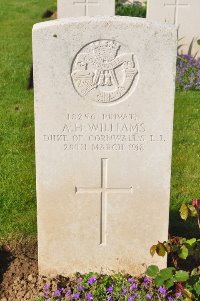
{"x":152,"y":270}
{"x":188,"y":73}
{"x":166,"y":277}
{"x":116,"y":287}
{"x":197,"y":287}
{"x":183,"y":252}
{"x":177,"y":246}
{"x":187,"y":210}
{"x":181,"y":276}
{"x":180,"y":248}
{"x":187,"y":283}
{"x":132,"y":10}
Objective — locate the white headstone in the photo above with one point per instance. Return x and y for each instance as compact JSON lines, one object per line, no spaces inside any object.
{"x":104,"y":93}
{"x":76,"y":8}
{"x":182,"y":13}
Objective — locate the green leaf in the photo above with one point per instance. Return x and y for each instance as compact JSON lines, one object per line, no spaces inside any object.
{"x":159,"y":280}
{"x":153,"y":250}
{"x":191,"y":241}
{"x":197,"y":287}
{"x":160,"y":250}
{"x":183,"y":252}
{"x":169,"y":283}
{"x":168,"y":247}
{"x":194,"y":272}
{"x":181,"y":276}
{"x":198,"y":41}
{"x":182,"y":240}
{"x":192,"y":210}
{"x":184,"y":212}
{"x":166,"y":273}
{"x":152,"y":271}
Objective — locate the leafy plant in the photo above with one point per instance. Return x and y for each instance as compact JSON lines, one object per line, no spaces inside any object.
{"x":132,"y":10}
{"x":188,"y":73}
{"x":191,"y":210}
{"x":188,"y":283}
{"x":166,"y":277}
{"x":116,"y":287}
{"x":178,"y":248}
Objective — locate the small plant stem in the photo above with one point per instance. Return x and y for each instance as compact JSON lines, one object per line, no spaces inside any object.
{"x":198,"y":219}
{"x":174,"y":259}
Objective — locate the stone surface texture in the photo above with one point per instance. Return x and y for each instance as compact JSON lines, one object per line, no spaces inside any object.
{"x":185,"y":15}
{"x":104,"y":94}
{"x":77,"y":8}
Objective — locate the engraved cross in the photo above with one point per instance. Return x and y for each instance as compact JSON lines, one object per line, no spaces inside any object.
{"x":86,"y":4}
{"x":104,"y":190}
{"x":177,"y":5}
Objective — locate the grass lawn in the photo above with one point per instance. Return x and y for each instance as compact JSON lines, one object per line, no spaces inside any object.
{"x":17,"y":165}
{"x":185,"y":182}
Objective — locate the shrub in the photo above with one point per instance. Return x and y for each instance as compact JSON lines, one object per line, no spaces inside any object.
{"x":188,"y":73}
{"x":132,"y":10}
{"x":179,"y":248}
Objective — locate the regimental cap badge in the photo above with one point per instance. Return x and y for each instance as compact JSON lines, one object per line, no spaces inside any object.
{"x":104,"y":72}
{"x":105,"y":50}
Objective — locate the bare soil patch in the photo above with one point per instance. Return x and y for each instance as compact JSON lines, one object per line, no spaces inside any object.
{"x":19,"y":279}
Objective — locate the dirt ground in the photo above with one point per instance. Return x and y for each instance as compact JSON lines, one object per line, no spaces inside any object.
{"x":19,"y":280}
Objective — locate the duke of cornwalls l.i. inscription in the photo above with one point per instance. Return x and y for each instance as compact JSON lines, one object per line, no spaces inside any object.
{"x":100,"y":73}
{"x":103,"y":132}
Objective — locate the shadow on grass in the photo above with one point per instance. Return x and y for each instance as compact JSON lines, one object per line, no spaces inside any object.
{"x":179,"y":227}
